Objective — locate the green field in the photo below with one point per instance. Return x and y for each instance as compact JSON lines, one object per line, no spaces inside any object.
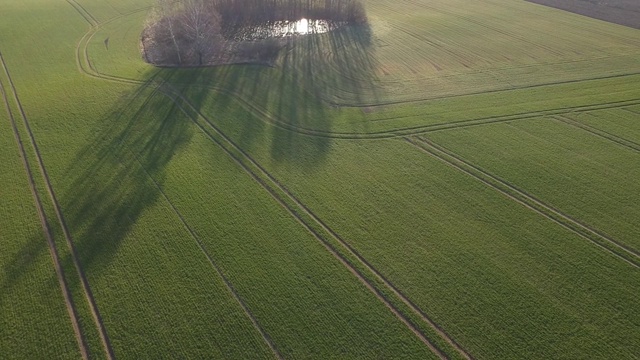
{"x":456,"y":180}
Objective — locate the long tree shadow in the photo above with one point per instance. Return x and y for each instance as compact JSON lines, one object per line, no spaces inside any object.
{"x":114,"y":174}
{"x":111,"y":183}
{"x":293,"y":102}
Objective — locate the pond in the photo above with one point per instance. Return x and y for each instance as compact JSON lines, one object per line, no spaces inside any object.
{"x":281,"y":29}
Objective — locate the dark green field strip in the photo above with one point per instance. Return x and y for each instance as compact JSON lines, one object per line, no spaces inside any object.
{"x":48,"y":212}
{"x":29,"y":313}
{"x":41,"y":79}
{"x":583,"y":175}
{"x":558,"y":99}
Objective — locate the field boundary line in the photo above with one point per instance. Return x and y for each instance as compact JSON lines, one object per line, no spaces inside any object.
{"x":599,"y":133}
{"x":104,"y":338}
{"x":583,"y":230}
{"x":423,"y":129}
{"x":473,"y":93}
{"x":214,"y":265}
{"x":298,"y":210}
{"x":53,"y":251}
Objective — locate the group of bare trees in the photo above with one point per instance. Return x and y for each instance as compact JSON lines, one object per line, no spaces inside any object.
{"x":183,"y":32}
{"x":190,"y":32}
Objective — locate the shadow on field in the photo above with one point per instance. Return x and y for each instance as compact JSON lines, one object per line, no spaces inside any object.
{"x":302,"y":91}
{"x":111,"y":184}
{"x":113,"y":176}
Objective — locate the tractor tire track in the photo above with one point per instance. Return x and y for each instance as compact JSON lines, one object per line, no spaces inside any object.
{"x":104,"y":338}
{"x":284,"y":197}
{"x":631,"y":145}
{"x":62,"y":282}
{"x":214,"y":265}
{"x":601,"y":240}
{"x":422,"y":129}
{"x":83,"y":12}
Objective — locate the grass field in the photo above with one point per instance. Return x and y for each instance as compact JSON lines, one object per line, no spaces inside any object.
{"x":456,"y":180}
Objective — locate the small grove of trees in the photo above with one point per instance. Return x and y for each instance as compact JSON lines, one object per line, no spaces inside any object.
{"x":182,"y":32}
{"x":190,"y":32}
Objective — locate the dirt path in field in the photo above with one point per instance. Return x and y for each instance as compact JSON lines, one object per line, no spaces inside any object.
{"x":603,"y":241}
{"x":621,"y":12}
{"x":104,"y":338}
{"x":68,"y":299}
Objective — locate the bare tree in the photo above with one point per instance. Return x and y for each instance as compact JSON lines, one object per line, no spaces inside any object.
{"x":167,"y":9}
{"x":200,"y":26}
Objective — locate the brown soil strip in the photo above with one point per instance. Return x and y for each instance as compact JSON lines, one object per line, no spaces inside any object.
{"x":621,"y":12}
{"x":83,"y":280}
{"x":229,"y":286}
{"x":583,"y":230}
{"x":600,"y":133}
{"x":277,"y":191}
{"x":68,"y":299}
